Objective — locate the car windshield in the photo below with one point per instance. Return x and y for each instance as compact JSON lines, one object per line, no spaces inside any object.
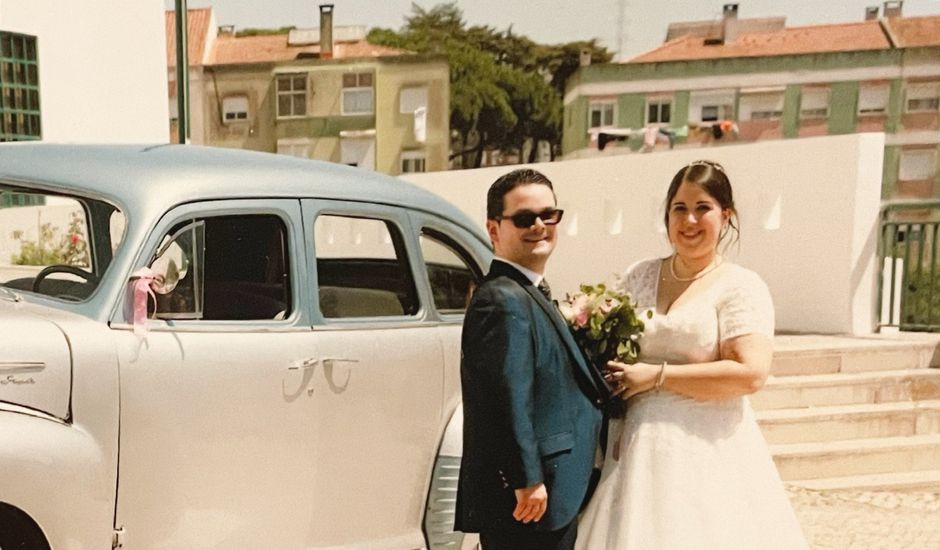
{"x":56,"y":244}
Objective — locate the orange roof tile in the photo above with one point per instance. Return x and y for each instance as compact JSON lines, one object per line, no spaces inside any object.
{"x":866,"y":35}
{"x":197,"y":29}
{"x":912,"y":32}
{"x":271,"y":48}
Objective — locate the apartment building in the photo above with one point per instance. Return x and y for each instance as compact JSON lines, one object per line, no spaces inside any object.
{"x":744,"y":80}
{"x":323,"y":93}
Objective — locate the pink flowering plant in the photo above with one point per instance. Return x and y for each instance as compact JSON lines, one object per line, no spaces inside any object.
{"x":604,"y":324}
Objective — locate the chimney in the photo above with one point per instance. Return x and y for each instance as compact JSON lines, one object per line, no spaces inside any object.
{"x":871,"y":13}
{"x":729,"y":23}
{"x":326,"y":31}
{"x":585,"y":57}
{"x":892,"y":8}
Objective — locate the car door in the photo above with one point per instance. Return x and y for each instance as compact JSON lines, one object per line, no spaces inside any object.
{"x":376,"y":397}
{"x":453,"y":262}
{"x":215,"y":446}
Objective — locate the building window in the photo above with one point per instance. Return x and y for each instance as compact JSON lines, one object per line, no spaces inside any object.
{"x":814,"y":103}
{"x":19,"y":88}
{"x":357,"y":93}
{"x":917,"y":165}
{"x":658,"y":111}
{"x":715,"y":113}
{"x":873,"y":99}
{"x":761,"y":105}
{"x":412,"y":161}
{"x":412,"y":99}
{"x":358,"y":151}
{"x":602,"y":114}
{"x":235,"y":108}
{"x":295,"y":147}
{"x":923,"y":97}
{"x":291,"y":95}
{"x":711,"y":105}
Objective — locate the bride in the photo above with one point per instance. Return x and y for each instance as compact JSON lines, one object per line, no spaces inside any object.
{"x":688,"y":468}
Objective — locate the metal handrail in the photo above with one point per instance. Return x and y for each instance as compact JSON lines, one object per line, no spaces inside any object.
{"x":908,"y":250}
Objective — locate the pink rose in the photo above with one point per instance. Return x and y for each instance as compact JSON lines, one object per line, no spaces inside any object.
{"x":582,"y":311}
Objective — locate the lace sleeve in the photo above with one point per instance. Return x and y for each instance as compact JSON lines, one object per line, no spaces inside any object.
{"x":746,"y":308}
{"x":638,"y":277}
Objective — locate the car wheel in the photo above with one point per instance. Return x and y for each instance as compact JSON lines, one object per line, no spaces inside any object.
{"x":18,"y":531}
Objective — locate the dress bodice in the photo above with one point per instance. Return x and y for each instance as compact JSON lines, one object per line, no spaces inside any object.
{"x":730,"y":301}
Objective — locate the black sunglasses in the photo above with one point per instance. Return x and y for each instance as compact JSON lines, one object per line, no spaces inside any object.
{"x":526,"y":219}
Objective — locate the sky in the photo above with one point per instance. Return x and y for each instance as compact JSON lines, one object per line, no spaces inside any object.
{"x":551,"y":21}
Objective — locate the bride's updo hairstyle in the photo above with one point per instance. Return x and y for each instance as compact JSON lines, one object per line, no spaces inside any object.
{"x":711,"y":177}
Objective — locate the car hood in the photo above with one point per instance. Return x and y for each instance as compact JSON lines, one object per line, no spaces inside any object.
{"x":35,"y":361}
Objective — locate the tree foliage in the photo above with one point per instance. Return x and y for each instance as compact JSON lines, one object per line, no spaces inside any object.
{"x":506,"y":90}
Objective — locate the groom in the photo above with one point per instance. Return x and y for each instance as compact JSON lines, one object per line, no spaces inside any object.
{"x":531,"y":404}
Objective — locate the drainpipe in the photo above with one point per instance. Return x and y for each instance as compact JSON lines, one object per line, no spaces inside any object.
{"x":182,"y":72}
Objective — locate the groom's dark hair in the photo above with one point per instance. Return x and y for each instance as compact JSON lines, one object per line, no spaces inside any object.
{"x":507,"y":182}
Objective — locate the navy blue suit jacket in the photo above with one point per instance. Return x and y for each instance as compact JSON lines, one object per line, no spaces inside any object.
{"x":532,"y":407}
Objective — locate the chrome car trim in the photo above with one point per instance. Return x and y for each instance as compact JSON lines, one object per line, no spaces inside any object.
{"x":20,"y":367}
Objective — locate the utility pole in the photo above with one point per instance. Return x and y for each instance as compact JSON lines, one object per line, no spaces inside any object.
{"x":182,"y":72}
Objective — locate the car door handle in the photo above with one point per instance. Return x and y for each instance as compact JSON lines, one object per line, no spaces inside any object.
{"x":303,"y":364}
{"x":328,"y":362}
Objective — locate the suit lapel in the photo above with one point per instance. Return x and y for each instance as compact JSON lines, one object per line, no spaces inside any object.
{"x":498,"y":268}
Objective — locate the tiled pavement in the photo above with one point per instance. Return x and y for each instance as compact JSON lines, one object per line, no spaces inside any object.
{"x":868,"y":520}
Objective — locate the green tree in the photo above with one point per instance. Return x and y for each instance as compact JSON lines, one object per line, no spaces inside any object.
{"x":506,"y":90}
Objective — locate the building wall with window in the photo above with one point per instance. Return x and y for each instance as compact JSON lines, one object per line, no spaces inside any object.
{"x":414,"y":117}
{"x":100,"y":76}
{"x":892,"y":87}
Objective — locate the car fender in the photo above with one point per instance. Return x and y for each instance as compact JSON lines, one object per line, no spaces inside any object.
{"x":53,"y":472}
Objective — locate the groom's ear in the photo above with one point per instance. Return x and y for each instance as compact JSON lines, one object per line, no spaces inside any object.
{"x":492,"y":229}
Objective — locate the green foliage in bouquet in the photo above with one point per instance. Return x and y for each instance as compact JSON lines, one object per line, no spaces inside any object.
{"x":604,"y":323}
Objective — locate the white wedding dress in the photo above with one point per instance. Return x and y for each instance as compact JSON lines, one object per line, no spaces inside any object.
{"x":691,"y":475}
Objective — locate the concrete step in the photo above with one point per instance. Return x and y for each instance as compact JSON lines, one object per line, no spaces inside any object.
{"x":862,"y":421}
{"x":807,"y":354}
{"x":856,"y":457}
{"x":847,"y":389}
{"x":924,"y":481}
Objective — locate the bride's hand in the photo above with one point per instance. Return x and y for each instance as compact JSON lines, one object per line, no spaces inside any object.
{"x":629,"y":380}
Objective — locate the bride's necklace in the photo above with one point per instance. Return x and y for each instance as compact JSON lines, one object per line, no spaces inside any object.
{"x":699,"y":275}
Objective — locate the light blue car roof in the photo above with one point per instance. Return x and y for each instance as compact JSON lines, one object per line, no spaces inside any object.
{"x":150,"y":179}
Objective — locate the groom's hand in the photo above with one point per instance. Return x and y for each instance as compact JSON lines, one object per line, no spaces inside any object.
{"x":531,"y":503}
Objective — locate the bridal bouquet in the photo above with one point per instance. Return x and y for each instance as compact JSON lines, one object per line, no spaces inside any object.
{"x":604,"y":323}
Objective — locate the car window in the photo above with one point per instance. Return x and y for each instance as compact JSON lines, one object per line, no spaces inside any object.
{"x":449,"y":273}
{"x":224,"y":268}
{"x":46,"y":245}
{"x":362,"y":268}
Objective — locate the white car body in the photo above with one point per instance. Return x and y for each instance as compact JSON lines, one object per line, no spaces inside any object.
{"x":302,"y":429}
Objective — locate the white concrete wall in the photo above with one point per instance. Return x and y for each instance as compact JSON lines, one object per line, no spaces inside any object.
{"x":102,"y":67}
{"x":808,"y":211}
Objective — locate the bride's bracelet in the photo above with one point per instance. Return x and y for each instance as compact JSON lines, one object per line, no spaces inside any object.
{"x":661,"y":378}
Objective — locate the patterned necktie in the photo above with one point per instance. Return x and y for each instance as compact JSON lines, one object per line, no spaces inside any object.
{"x":545,"y":289}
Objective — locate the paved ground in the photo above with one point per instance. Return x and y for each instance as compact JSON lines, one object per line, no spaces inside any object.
{"x":862,"y":520}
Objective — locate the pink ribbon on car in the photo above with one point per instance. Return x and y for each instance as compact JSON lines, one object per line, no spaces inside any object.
{"x":143,"y":280}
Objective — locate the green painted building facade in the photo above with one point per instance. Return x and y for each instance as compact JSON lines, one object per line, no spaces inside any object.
{"x":894,"y":90}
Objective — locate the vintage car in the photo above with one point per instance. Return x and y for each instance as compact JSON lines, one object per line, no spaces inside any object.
{"x":207,"y":348}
